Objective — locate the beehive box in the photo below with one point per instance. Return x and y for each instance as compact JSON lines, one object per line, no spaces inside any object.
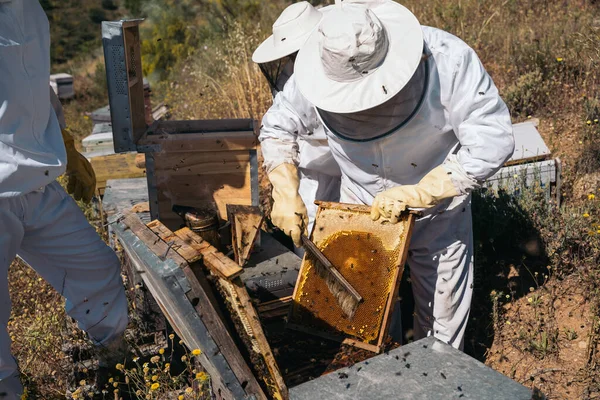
{"x":371,"y":256}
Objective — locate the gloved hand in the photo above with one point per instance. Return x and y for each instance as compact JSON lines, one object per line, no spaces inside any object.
{"x":289,"y":212}
{"x":437,"y":185}
{"x":81,"y":179}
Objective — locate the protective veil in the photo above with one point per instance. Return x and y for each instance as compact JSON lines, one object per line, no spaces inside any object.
{"x":38,"y":220}
{"x":461,"y":124}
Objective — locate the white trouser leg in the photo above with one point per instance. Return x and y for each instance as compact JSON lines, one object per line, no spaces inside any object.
{"x":65,"y":249}
{"x":11,"y":234}
{"x":441,"y":268}
{"x":49,"y":231}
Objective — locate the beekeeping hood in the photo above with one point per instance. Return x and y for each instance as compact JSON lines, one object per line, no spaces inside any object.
{"x":363,"y":68}
{"x":275,"y":56}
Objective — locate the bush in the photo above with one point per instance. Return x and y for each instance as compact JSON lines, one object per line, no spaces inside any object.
{"x":97,"y":15}
{"x":109,"y":5}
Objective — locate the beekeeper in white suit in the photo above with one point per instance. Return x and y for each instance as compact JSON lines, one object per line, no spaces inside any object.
{"x":305,"y":162}
{"x":413,"y":120}
{"x":38,"y":220}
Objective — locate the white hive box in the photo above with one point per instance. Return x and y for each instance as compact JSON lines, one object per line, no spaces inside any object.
{"x":62,"y":84}
{"x":531,"y":162}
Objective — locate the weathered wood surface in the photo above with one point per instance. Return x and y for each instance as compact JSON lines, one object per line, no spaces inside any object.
{"x":168,"y":282}
{"x":246,"y":222}
{"x":115,"y":166}
{"x":217,"y":262}
{"x":206,"y":307}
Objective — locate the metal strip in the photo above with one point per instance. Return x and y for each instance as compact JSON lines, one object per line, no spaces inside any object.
{"x":254,"y":187}
{"x":152,"y":187}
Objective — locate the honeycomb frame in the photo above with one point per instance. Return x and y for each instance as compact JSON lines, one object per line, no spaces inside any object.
{"x":356,"y":245}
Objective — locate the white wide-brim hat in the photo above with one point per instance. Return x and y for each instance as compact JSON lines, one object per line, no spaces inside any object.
{"x":290,"y":31}
{"x":362,"y":54}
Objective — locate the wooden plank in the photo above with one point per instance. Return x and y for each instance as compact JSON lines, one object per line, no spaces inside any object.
{"x":246,"y":222}
{"x":215,"y":168}
{"x":189,"y":253}
{"x":203,"y":190}
{"x":274,"y":308}
{"x":193,"y":158}
{"x":204,"y":305}
{"x":259,"y":336}
{"x":204,"y":126}
{"x":392,"y":299}
{"x":141,"y":207}
{"x":143,"y":248}
{"x":200,"y":142}
{"x":218,"y":262}
{"x":115,"y":166}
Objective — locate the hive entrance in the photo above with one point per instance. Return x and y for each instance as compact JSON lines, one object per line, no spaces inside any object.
{"x":371,"y":256}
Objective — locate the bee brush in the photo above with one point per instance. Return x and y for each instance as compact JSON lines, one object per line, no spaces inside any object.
{"x":345,"y":295}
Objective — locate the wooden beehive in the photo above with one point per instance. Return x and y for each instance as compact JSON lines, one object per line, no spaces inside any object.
{"x":201,"y":164}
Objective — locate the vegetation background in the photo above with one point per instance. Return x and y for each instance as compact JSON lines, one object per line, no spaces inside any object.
{"x":536,"y":307}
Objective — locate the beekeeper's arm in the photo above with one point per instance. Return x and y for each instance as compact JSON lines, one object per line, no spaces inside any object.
{"x":481,"y":121}
{"x":289,"y":116}
{"x":81,"y":180}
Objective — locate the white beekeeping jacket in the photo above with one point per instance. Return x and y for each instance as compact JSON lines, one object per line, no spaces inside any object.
{"x":32,"y":153}
{"x":461,"y":122}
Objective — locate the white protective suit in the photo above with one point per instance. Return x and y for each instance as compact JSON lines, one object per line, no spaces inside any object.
{"x":319,"y":173}
{"x":462,"y":123}
{"x":39,"y":221}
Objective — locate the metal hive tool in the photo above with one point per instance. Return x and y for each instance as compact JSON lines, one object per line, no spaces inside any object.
{"x":371,"y":256}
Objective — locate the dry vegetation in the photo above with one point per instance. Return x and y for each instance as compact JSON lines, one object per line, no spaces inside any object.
{"x":537,"y":300}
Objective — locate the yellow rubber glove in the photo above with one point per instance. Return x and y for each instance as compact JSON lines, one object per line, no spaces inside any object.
{"x":432,"y":188}
{"x":289,"y":212}
{"x":81,"y":179}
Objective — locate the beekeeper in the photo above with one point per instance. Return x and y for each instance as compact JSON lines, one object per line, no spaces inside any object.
{"x":302,"y":164}
{"x":413,"y":120}
{"x":39,"y":221}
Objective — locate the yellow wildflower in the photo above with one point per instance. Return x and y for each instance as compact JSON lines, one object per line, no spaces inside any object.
{"x":183,"y":358}
{"x":196,"y":352}
{"x":559,"y":59}
{"x":111,"y":380}
{"x":591,"y":196}
{"x":189,"y":390}
{"x":588,"y":122}
{"x":530,"y":299}
{"x":171,"y":336}
{"x":154,"y":378}
{"x":146,"y":370}
{"x":119,"y":367}
{"x":82,"y":382}
{"x":161,"y":351}
{"x":201,"y":376}
{"x":155,"y":386}
{"x":116,"y":384}
{"x":155,"y":359}
{"x":180,"y":397}
{"x":116,"y":391}
{"x":586,"y":215}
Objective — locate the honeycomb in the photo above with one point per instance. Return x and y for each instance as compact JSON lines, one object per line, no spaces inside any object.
{"x":368,"y":254}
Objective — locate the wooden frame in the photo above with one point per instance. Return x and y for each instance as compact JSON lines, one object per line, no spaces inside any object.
{"x":185,"y":301}
{"x":391,"y":299}
{"x":202,"y":164}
